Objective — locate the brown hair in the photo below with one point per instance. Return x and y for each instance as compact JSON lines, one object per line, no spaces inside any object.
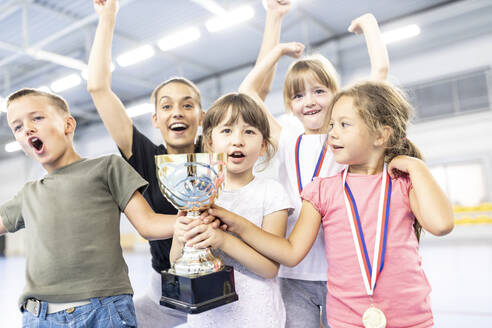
{"x":318,"y":66}
{"x":379,"y":104}
{"x":56,"y":100}
{"x":239,"y":105}
{"x":182,"y":80}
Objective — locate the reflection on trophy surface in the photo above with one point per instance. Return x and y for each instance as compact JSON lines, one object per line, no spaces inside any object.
{"x":198,"y":281}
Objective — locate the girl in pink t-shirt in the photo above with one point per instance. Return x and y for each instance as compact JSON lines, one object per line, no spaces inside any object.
{"x":372,"y":214}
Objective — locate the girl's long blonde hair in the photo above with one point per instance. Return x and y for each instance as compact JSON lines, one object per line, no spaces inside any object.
{"x":379,"y":104}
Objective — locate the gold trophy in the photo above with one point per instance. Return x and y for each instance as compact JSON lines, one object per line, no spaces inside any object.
{"x":197,"y":281}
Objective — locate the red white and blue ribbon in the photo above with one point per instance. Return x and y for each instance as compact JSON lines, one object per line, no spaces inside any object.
{"x":368,"y":275}
{"x":317,"y":169}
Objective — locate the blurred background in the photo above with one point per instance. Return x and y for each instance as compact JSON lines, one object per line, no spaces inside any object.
{"x":440,"y":54}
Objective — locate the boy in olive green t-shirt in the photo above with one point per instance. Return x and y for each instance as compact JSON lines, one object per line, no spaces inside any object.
{"x":74,"y":263}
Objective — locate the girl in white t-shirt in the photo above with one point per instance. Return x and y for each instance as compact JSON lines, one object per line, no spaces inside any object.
{"x":309,"y":87}
{"x":236,"y":125}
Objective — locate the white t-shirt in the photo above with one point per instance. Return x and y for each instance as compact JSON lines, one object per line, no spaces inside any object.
{"x":260,"y":301}
{"x":313,"y":267}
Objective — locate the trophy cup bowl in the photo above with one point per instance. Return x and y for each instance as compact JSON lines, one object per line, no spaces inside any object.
{"x":198,"y":281}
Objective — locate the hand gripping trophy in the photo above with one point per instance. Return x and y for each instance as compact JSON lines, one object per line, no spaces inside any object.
{"x":198,"y":281}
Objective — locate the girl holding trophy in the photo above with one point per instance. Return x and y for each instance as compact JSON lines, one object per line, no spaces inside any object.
{"x":237,"y":125}
{"x":371,"y":214}
{"x":178,"y":114}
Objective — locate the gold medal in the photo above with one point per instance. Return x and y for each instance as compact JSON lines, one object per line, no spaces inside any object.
{"x":373,"y":318}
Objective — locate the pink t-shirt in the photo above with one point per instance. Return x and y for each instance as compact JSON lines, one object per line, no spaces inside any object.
{"x":402,"y":290}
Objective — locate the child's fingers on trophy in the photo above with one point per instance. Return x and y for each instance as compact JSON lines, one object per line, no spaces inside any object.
{"x":216,"y":209}
{"x":194,"y":231}
{"x":198,"y":239}
{"x":216,"y":212}
{"x":215,"y":223}
{"x":204,"y":244}
{"x":209,"y":218}
{"x":184,"y":222}
{"x":192,"y":224}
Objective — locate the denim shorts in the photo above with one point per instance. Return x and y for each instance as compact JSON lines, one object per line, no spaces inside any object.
{"x":112,"y":311}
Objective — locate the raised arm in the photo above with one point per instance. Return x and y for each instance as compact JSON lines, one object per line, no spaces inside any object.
{"x":428,"y":202}
{"x":108,"y":105}
{"x":289,"y":251}
{"x":368,"y":25}
{"x":254,"y":80}
{"x":149,"y":224}
{"x":276,"y":10}
{"x":274,"y":225}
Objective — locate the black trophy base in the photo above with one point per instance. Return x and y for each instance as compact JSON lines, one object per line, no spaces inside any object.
{"x":198,"y":293}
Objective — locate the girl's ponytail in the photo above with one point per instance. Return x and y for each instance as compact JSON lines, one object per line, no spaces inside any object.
{"x":403,"y":146}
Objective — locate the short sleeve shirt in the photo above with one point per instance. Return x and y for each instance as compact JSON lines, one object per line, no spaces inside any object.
{"x":402,"y":290}
{"x":72,"y":222}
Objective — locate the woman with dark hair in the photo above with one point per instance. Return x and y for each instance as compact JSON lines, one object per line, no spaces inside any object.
{"x":178,"y":114}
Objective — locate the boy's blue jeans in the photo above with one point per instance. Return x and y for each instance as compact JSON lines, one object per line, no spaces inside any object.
{"x":112,"y":311}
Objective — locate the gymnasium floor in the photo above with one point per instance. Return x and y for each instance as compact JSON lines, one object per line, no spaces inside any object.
{"x":458,"y":266}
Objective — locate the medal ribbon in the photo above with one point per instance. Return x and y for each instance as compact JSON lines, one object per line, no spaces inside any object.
{"x":317,"y":169}
{"x":368,"y":276}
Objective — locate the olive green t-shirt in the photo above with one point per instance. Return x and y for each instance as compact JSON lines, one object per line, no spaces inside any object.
{"x":72,"y":222}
